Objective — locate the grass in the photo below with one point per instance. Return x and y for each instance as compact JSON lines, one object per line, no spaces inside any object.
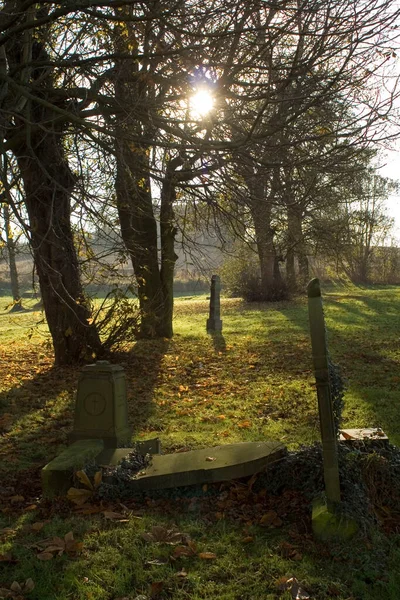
{"x":253,"y":382}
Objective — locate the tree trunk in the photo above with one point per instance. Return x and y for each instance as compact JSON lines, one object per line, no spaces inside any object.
{"x":37,"y":143}
{"x":12,"y":263}
{"x":168,"y":255}
{"x":139,"y":232}
{"x":296,"y":248}
{"x":154,"y":275}
{"x":261,"y":212}
{"x":48,"y":183}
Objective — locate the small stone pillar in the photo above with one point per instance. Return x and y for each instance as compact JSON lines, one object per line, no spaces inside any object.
{"x":214,"y":322}
{"x":321,"y":370}
{"x":101,"y":410}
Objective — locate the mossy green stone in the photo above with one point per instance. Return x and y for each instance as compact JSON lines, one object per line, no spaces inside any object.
{"x":57,"y":474}
{"x":101,"y":410}
{"x":327,"y":524}
{"x":205,"y":465}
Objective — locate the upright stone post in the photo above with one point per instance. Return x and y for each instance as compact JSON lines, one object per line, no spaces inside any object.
{"x":101,"y":410}
{"x":321,"y":370}
{"x":214,"y":322}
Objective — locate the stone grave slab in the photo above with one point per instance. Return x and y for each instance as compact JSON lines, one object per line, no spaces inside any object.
{"x":207,"y":465}
{"x":101,"y":410}
{"x":57,"y":474}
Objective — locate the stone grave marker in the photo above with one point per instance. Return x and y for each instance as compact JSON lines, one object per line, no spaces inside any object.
{"x":214,"y":322}
{"x":321,"y":370}
{"x":327,"y":521}
{"x":101,"y":425}
{"x":101,"y":410}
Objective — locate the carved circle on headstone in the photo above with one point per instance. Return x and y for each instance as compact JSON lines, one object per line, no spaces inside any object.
{"x":94,"y":404}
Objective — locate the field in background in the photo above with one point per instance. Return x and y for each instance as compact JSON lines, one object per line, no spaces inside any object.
{"x":253,"y":382}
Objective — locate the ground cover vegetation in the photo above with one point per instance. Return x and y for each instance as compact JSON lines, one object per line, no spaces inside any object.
{"x":245,"y":539}
{"x":101,"y":135}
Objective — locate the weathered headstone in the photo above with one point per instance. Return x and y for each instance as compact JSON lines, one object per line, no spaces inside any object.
{"x":101,"y":410}
{"x":327,"y":521}
{"x":321,"y":370}
{"x":214,"y":322}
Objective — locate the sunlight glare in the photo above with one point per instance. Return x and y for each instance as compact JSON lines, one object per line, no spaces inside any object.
{"x":201,"y":103}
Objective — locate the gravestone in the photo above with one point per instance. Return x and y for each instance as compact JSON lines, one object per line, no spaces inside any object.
{"x":321,"y":370}
{"x":214,"y":322}
{"x":327,"y":521}
{"x":101,"y":410}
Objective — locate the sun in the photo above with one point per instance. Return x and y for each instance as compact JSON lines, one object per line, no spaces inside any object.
{"x":201,"y":103}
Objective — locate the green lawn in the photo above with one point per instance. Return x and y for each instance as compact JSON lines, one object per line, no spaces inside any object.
{"x":253,"y":382}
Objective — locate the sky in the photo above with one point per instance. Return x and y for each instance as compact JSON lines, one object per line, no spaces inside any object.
{"x":392,"y":170}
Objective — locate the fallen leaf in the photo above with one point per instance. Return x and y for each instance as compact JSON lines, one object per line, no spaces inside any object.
{"x":182,"y":573}
{"x":7,"y":531}
{"x":244,"y":424}
{"x":298,"y":556}
{"x":45,"y":556}
{"x":88,"y":510}
{"x":183,"y":551}
{"x":79,"y":496}
{"x":161,"y":535}
{"x":98,"y":476}
{"x":84,"y":479}
{"x":16,"y":499}
{"x":292,"y":584}
{"x":7,"y":558}
{"x":156,"y":562}
{"x":207,"y":555}
{"x":270,"y":518}
{"x":37,"y":526}
{"x":248,"y":539}
{"x":156,"y":588}
{"x":29,"y":585}
{"x":114,"y":516}
{"x":210,"y":458}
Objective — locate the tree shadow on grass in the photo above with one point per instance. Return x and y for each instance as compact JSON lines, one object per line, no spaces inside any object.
{"x":35,"y":418}
{"x":362,"y":334}
{"x":37,"y":414}
{"x":142,"y":365}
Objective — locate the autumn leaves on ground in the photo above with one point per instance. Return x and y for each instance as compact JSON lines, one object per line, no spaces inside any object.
{"x":236,"y":541}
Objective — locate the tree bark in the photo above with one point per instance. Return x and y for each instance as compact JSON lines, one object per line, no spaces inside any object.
{"x":296,"y":248}
{"x":153,"y":272}
{"x":37,"y":143}
{"x":12,"y":263}
{"x":261,"y":212}
{"x":48,"y":183}
{"x":139,"y":232}
{"x":168,"y":255}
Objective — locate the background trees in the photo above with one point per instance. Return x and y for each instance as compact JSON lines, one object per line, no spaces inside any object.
{"x":106,"y":89}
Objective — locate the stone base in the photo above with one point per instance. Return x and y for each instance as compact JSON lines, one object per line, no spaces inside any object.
{"x":121,"y":437}
{"x":214,"y":325}
{"x":57,"y":475}
{"x":328,"y":525}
